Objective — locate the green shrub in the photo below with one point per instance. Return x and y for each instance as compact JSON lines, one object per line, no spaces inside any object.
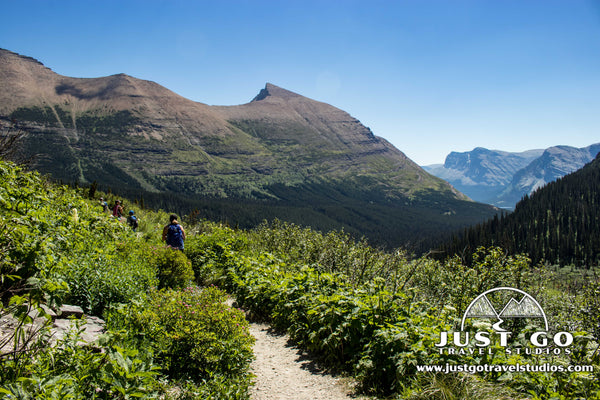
{"x":590,"y":309}
{"x":334,"y":252}
{"x":455,"y":284}
{"x":212,"y":252}
{"x":377,"y":335}
{"x":109,"y":274}
{"x":440,"y":386}
{"x":390,"y":357}
{"x":192,"y":332}
{"x":382,"y":336}
{"x":217,"y":388}
{"x":69,"y":370}
{"x":53,"y":235}
{"x":174,"y":268}
{"x":59,"y":247}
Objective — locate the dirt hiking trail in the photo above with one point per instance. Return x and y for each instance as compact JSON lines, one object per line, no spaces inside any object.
{"x":284,"y":372}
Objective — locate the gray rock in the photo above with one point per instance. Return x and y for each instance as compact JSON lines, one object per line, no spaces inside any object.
{"x":91,"y":329}
{"x":36,"y":314}
{"x":68,"y":311}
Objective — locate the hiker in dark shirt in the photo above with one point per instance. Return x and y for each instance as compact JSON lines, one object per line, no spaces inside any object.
{"x":174,"y":234}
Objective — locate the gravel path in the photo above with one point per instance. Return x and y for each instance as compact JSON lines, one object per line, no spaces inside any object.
{"x":283,"y":372}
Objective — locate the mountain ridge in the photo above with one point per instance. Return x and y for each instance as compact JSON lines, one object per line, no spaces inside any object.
{"x":137,"y":136}
{"x":502,"y":178}
{"x":283,"y":114}
{"x":557,"y":224}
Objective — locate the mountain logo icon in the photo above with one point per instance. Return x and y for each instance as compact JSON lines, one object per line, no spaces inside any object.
{"x":502,"y":303}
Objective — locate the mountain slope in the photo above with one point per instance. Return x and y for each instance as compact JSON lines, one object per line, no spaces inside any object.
{"x":140,"y":138}
{"x":554,"y":163}
{"x":559,"y":223}
{"x":482,"y":174}
{"x":503,"y":178}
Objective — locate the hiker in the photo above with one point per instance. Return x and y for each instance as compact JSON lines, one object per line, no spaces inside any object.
{"x":104,"y":204}
{"x":117,"y":211}
{"x":174,"y":234}
{"x":132,"y":220}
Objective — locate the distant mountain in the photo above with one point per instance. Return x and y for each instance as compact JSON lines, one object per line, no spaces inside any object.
{"x":554,"y":163}
{"x":503,"y":178}
{"x":482,"y":174}
{"x":558,"y":223}
{"x":280,"y":155}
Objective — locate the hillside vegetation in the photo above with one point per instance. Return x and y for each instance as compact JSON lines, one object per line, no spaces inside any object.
{"x":367,"y":313}
{"x":165,"y":339}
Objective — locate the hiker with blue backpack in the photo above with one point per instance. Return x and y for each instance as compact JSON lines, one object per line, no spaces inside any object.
{"x":174,"y":234}
{"x":132,"y":220}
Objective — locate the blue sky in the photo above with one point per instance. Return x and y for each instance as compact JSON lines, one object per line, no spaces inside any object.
{"x":429,"y":76}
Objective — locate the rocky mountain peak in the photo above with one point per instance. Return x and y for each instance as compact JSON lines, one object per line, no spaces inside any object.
{"x":7,"y":54}
{"x":274,"y":91}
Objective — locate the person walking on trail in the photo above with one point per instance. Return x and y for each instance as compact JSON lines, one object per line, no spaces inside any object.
{"x":132,"y":220}
{"x":174,"y":234}
{"x":104,"y":205}
{"x":117,"y":211}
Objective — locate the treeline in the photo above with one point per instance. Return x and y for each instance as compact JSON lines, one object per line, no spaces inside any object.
{"x":414,"y":224}
{"x":559,"y":223}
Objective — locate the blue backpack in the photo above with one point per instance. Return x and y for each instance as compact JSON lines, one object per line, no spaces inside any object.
{"x":133,"y":222}
{"x":175,"y":236}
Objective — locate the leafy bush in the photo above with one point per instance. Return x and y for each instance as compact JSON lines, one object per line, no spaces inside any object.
{"x":590,"y":309}
{"x":216,"y":388}
{"x":455,"y":284}
{"x":57,"y":239}
{"x":192,"y":332}
{"x":211,"y":252}
{"x":430,"y":386}
{"x":389,"y":359}
{"x":68,"y":370}
{"x":58,"y":246}
{"x":334,"y":252}
{"x":381,"y":335}
{"x":174,"y":268}
{"x":107,"y":274}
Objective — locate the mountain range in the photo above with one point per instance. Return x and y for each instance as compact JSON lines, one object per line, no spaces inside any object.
{"x":502,"y":178}
{"x":280,"y":155}
{"x":558,"y":223}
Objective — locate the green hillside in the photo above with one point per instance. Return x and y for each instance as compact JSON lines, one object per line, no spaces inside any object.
{"x":370,"y":198}
{"x":372,"y":315}
{"x":58,"y":247}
